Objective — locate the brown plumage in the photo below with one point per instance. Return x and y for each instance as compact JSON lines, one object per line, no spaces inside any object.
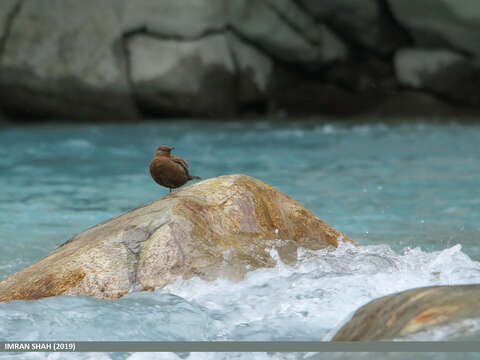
{"x":169,"y":170}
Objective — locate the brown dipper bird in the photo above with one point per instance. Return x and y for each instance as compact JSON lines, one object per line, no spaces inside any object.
{"x":169,"y":170}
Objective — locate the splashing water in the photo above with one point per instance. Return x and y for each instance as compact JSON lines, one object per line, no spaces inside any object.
{"x":306,"y":301}
{"x":320,"y":290}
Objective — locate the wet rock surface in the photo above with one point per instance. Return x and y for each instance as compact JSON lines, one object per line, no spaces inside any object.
{"x":221,"y":227}
{"x":409,"y":312}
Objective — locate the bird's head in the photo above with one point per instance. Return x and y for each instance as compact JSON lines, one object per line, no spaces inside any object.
{"x":164,"y":150}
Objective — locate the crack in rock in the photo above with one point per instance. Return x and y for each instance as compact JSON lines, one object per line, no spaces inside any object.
{"x":144,"y":30}
{"x":132,"y":240}
{"x":14,"y":11}
{"x":297,"y":29}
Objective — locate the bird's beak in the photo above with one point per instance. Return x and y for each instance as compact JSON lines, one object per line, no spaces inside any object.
{"x":172,"y":148}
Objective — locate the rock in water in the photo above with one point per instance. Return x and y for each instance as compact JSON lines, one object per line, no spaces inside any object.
{"x":405,"y":313}
{"x":221,"y":227}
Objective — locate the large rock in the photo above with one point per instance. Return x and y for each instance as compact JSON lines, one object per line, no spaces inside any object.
{"x":175,"y":19}
{"x":221,"y":227}
{"x":8,"y":10}
{"x":183,"y":77}
{"x":366,"y":23}
{"x":302,"y":96}
{"x":54,"y":64}
{"x":216,"y":58}
{"x":254,"y":73}
{"x":441,"y":23}
{"x":210,"y":76}
{"x":414,"y":66}
{"x":408,"y":312}
{"x":280,"y":28}
{"x":194,"y":58}
{"x":441,"y":72}
{"x":161,"y":57}
{"x":419,"y":104}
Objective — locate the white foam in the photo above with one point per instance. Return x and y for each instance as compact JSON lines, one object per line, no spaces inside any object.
{"x":309,"y":299}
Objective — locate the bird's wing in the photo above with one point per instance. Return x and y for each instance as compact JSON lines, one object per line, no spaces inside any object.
{"x":182,"y":162}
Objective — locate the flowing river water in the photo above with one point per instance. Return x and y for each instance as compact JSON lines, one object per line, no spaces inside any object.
{"x":408,"y":193}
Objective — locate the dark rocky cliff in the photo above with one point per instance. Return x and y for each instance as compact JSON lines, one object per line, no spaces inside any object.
{"x":125,"y":60}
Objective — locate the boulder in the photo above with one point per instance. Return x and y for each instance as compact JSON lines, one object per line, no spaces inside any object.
{"x":160,"y":58}
{"x":216,"y":58}
{"x":303,"y":95}
{"x":409,"y":312}
{"x":414,"y":66}
{"x":442,"y":72}
{"x":283,"y":30}
{"x":184,"y":19}
{"x":190,"y":77}
{"x":441,"y":23}
{"x":414,"y":104}
{"x":309,"y":97}
{"x":364,"y":23}
{"x":8,"y":10}
{"x":214,"y":75}
{"x":54,"y":65}
{"x":221,"y":227}
{"x":364,"y":77}
{"x":254,"y":72}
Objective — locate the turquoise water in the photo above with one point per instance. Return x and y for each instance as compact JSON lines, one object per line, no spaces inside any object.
{"x":408,"y":193}
{"x":402,"y":185}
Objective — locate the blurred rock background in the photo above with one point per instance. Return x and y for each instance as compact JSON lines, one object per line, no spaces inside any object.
{"x":127,"y":60}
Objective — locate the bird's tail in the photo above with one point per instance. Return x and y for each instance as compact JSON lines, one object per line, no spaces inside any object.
{"x":194,"y":177}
